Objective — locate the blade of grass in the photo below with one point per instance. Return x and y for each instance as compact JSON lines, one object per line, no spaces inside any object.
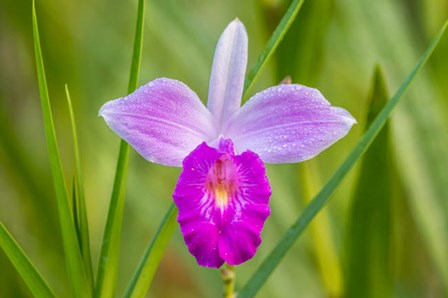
{"x":369,"y":232}
{"x":422,"y":131}
{"x":262,"y":273}
{"x":272,"y":44}
{"x":110,"y":250}
{"x":80,"y":212}
{"x":419,"y":127}
{"x":142,"y":277}
{"x":75,"y":268}
{"x":35,"y":282}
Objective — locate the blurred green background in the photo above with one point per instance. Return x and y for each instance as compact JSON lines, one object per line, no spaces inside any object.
{"x":385,"y":232}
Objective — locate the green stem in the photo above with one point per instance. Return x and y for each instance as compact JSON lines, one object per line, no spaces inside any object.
{"x":228,"y":278}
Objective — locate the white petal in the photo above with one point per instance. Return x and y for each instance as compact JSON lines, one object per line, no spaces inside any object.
{"x":163,"y":121}
{"x":287,"y":123}
{"x":228,"y":70}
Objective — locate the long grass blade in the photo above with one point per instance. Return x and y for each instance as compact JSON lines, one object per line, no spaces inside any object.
{"x":35,"y":282}
{"x":272,"y":44}
{"x":75,"y":268}
{"x":369,"y":231}
{"x":80,"y":216}
{"x":110,"y":250}
{"x":142,"y":278}
{"x":419,"y":127}
{"x":310,"y":211}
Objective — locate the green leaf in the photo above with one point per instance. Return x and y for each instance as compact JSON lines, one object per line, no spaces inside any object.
{"x":110,"y":250}
{"x":272,"y":44}
{"x":79,"y":204}
{"x":369,"y":232}
{"x":419,"y":126}
{"x":310,"y":211}
{"x":142,"y":278}
{"x":35,"y":282}
{"x":74,"y":262}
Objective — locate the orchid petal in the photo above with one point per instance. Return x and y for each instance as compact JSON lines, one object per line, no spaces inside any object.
{"x":163,"y":121}
{"x":222,"y":222}
{"x":228,"y":70}
{"x":287,"y":123}
{"x":247,"y":211}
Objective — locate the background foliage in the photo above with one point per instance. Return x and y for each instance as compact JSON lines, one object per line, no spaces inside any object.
{"x":395,"y":239}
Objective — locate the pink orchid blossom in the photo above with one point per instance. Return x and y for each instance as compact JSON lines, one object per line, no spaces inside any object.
{"x":223,"y":193}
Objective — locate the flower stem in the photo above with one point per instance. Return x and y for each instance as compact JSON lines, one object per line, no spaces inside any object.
{"x":228,"y":277}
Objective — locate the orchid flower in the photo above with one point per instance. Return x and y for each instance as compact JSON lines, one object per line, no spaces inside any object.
{"x":222,"y":194}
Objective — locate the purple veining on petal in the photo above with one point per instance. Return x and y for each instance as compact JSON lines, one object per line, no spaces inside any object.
{"x":228,"y":70}
{"x":163,"y":120}
{"x":223,"y":202}
{"x":287,"y":123}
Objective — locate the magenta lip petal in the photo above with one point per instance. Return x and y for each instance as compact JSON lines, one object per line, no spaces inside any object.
{"x":202,"y":240}
{"x":287,"y":123}
{"x":163,"y":121}
{"x":247,"y":212}
{"x":220,"y":230}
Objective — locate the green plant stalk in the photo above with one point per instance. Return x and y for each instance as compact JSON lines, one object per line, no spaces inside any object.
{"x":35,"y":282}
{"x":79,"y":204}
{"x":272,"y":44}
{"x":74,"y":262}
{"x":110,"y":250}
{"x":228,"y":278}
{"x":142,"y":277}
{"x":267,"y":267}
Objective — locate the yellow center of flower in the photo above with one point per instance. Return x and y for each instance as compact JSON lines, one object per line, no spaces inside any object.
{"x":222,"y":181}
{"x":221,"y":196}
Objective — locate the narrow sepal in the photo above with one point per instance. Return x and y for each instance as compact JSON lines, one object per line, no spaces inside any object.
{"x":228,"y":71}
